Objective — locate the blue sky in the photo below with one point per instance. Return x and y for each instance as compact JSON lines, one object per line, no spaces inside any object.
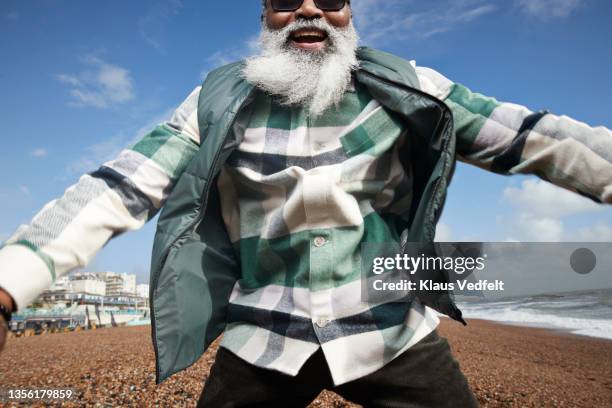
{"x":81,"y":80}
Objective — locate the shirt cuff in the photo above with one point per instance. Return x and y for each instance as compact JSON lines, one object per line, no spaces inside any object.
{"x":23,"y":274}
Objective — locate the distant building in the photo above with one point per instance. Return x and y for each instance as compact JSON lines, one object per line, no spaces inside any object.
{"x":102,"y":288}
{"x":62,"y":283}
{"x":129,"y":284}
{"x":119,"y":284}
{"x":114,"y":283}
{"x":89,"y":283}
{"x":142,"y":291}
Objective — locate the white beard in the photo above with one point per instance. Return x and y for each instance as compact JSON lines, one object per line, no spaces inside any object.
{"x":314,"y":79}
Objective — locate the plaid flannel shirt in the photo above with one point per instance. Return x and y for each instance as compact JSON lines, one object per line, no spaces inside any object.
{"x":299,"y":196}
{"x":125,"y":193}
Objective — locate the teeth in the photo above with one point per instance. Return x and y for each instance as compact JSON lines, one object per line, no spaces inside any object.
{"x":309,"y":34}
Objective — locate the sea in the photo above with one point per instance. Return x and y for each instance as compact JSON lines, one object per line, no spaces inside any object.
{"x":585,"y":312}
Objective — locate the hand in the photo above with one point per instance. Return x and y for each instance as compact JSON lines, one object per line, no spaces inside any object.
{"x":3,"y":332}
{"x":7,"y":301}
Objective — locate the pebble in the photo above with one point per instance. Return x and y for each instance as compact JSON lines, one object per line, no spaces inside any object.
{"x":115,"y":367}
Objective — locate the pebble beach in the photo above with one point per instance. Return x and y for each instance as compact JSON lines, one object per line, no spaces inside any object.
{"x":507,"y":366}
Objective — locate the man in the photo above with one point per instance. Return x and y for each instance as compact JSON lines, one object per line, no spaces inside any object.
{"x":272,"y":175}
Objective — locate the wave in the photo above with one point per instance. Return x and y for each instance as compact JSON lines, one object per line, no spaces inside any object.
{"x":519,"y":315}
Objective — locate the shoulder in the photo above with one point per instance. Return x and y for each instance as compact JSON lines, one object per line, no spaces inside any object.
{"x":386,"y":65}
{"x":225,"y":72}
{"x":433,"y":82}
{"x":429,"y":80}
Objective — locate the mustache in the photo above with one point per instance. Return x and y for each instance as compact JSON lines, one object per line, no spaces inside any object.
{"x":305,"y":24}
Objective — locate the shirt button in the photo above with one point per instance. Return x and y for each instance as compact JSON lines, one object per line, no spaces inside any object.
{"x":320,"y":241}
{"x":322,"y":322}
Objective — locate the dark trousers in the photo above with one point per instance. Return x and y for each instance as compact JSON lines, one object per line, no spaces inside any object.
{"x":426,"y":375}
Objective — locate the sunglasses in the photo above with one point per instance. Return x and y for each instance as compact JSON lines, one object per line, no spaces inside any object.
{"x":292,"y":5}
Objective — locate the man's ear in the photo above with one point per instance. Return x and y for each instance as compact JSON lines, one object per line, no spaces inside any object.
{"x":264,"y":7}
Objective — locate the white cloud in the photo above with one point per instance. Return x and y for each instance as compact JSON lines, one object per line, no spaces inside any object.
{"x":391,"y":20}
{"x":600,"y":232}
{"x":102,"y":85}
{"x":229,"y":55}
{"x":542,"y":209}
{"x":13,"y":15}
{"x":152,"y":25}
{"x":543,"y":199}
{"x":40,"y":152}
{"x":443,"y":233}
{"x":397,"y":19}
{"x":549,"y":8}
{"x":539,"y":229}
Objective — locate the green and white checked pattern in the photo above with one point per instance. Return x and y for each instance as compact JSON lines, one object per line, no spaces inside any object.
{"x":291,"y":181}
{"x":299,"y":196}
{"x":510,"y":139}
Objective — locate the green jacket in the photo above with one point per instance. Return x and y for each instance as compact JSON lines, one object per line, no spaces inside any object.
{"x":194,"y":267}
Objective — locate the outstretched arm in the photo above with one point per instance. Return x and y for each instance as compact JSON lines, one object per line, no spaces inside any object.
{"x":509,"y":139}
{"x":122,"y":195}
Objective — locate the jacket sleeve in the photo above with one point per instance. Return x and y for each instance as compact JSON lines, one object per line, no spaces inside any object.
{"x":121,"y":195}
{"x":509,"y":139}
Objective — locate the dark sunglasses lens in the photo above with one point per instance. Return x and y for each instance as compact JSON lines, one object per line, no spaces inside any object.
{"x":286,"y":5}
{"x":292,"y":5}
{"x":330,"y":5}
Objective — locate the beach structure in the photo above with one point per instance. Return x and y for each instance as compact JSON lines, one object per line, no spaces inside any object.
{"x":85,"y":300}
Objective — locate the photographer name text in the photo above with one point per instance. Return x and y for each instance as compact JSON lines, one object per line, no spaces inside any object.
{"x":430,"y":285}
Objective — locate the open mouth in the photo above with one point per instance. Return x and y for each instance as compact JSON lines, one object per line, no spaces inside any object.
{"x":309,"y":38}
